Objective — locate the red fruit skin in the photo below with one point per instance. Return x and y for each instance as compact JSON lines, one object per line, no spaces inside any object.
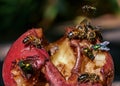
{"x":53,"y":75}
{"x":18,"y":51}
{"x":107,"y":70}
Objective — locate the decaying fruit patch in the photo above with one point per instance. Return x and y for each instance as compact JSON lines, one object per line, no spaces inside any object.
{"x":80,"y":58}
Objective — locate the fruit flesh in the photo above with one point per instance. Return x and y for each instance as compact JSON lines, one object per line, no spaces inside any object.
{"x":74,"y":61}
{"x":18,"y":51}
{"x":101,"y":65}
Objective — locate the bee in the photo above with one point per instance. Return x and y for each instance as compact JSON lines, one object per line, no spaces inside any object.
{"x":73,"y":34}
{"x":88,"y":8}
{"x":91,"y":35}
{"x":79,"y":32}
{"x":83,"y":77}
{"x":88,"y":53}
{"x":32,"y":40}
{"x":94,"y":78}
{"x":88,"y":77}
{"x":85,"y":31}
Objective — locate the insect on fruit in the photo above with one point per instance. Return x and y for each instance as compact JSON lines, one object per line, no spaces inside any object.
{"x":88,"y":77}
{"x":85,"y":31}
{"x":73,"y":34}
{"x":91,"y":35}
{"x":26,"y":67}
{"x":88,"y":53}
{"x":79,"y":32}
{"x":83,"y":77}
{"x":94,"y":78}
{"x":88,"y":10}
{"x":101,"y":46}
{"x":32,"y":40}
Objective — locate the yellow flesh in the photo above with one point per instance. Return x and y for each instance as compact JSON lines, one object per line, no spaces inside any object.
{"x":64,"y":59}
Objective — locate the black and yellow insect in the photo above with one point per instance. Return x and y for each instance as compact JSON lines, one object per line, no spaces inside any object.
{"x":88,"y":77}
{"x":89,"y":11}
{"x":83,"y":78}
{"x":88,"y":8}
{"x":73,"y":34}
{"x":32,"y":40}
{"x":85,"y":31}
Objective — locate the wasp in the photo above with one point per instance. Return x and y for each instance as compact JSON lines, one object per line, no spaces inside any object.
{"x":73,"y":34}
{"x":78,"y":32}
{"x":94,"y":77}
{"x":89,"y":32}
{"x":32,"y":40}
{"x":85,"y":31}
{"x":83,"y":77}
{"x":88,"y":77}
{"x":93,"y":34}
{"x":88,"y":8}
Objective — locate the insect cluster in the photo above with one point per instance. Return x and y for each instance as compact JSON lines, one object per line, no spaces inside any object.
{"x":70,"y":62}
{"x":85,"y":31}
{"x":88,"y":77}
{"x":97,"y":47}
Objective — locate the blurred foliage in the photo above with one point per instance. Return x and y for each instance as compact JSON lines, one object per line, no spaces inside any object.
{"x":19,"y":15}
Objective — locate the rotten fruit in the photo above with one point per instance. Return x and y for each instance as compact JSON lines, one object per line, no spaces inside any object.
{"x":80,"y":58}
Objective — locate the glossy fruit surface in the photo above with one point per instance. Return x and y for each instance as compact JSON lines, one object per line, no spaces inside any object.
{"x":82,"y":59}
{"x":79,"y":58}
{"x":19,"y":51}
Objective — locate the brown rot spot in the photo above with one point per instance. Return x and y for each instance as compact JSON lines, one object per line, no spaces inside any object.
{"x":110,"y":74}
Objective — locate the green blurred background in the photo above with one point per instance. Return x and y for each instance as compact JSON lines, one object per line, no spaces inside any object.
{"x":17,"y":16}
